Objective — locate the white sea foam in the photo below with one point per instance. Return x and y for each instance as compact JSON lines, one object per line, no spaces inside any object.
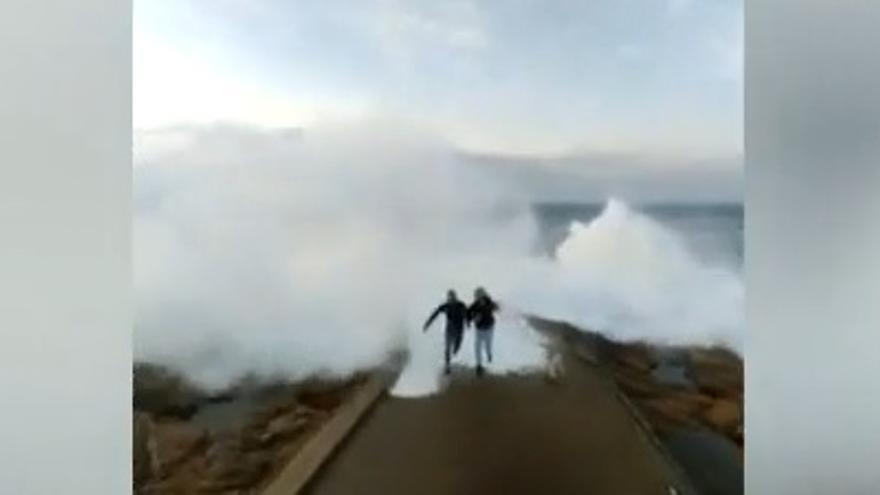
{"x":280,"y":255}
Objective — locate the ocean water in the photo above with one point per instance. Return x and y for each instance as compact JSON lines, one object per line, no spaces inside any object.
{"x":713,"y":233}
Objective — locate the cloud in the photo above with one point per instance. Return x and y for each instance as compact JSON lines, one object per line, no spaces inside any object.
{"x":500,"y":76}
{"x":676,"y":7}
{"x":456,"y":25}
{"x":181,"y":84}
{"x":630,"y":51}
{"x":729,"y":47}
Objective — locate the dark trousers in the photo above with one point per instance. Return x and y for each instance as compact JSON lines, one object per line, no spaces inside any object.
{"x":453,"y":342}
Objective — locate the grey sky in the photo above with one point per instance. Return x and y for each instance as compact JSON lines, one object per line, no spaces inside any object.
{"x":655,"y":77}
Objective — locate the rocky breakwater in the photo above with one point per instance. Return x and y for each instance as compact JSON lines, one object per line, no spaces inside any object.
{"x":683,"y":387}
{"x":188,"y":441}
{"x":691,"y":398}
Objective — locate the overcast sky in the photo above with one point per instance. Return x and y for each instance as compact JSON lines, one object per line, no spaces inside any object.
{"x":514,"y":76}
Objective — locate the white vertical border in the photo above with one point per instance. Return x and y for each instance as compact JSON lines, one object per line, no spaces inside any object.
{"x":812,"y":117}
{"x":65,"y":189}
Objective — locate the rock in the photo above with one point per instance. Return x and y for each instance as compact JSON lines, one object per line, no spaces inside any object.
{"x":680,"y":412}
{"x":682,"y":408}
{"x":160,"y":391}
{"x":724,"y":416}
{"x":174,"y":443}
{"x":230,"y":467}
{"x":220,"y":397}
{"x":715,"y":356}
{"x":586,"y":353}
{"x":180,"y":485}
{"x":277,"y":422}
{"x":144,"y":465}
{"x":717,"y":372}
{"x":284,"y":427}
{"x":274,"y":410}
{"x":639,"y":385}
{"x":174,"y":456}
{"x":637,"y":357}
{"x":166,"y":456}
{"x":325,"y":400}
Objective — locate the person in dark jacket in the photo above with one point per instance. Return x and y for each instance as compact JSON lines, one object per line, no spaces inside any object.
{"x":481,"y":314}
{"x":456,"y":318}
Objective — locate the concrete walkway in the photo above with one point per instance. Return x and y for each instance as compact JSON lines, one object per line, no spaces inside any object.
{"x":501,"y":434}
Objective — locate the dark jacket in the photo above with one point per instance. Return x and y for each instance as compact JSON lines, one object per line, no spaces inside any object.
{"x":456,"y":315}
{"x":481,"y":313}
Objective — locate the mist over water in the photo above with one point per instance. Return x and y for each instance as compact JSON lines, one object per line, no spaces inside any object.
{"x":281,"y":255}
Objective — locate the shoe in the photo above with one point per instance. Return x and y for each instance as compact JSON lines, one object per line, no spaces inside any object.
{"x":480,"y":370}
{"x":447,"y":370}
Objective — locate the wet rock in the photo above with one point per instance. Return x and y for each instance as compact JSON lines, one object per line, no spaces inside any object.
{"x":275,"y":409}
{"x":284,"y":427}
{"x":715,"y":356}
{"x":161,"y":392}
{"x":220,"y":397}
{"x":231,"y":466}
{"x":180,"y":485}
{"x":724,"y":416}
{"x":717,"y":372}
{"x":143,"y":463}
{"x":637,"y":357}
{"x":681,"y":408}
{"x":321,"y":396}
{"x":639,"y":385}
{"x":166,"y":456}
{"x":174,"y":443}
{"x":185,"y":456}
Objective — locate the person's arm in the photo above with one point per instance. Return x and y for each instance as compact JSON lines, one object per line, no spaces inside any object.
{"x":431,"y":318}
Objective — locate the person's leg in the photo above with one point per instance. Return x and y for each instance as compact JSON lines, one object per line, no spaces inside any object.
{"x":459,"y":334}
{"x":480,"y":337}
{"x":477,"y":343}
{"x":447,"y":345}
{"x":477,"y":347}
{"x":488,"y":343}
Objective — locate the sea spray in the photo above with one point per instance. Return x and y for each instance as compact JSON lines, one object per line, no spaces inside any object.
{"x":290,"y":254}
{"x":626,"y":275}
{"x":517,"y":348}
{"x":286,"y":256}
{"x":622,"y":274}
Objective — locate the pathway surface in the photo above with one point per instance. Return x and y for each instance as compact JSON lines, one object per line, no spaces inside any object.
{"x":501,"y":435}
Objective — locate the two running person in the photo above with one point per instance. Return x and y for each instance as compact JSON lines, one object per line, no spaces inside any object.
{"x":481,"y":314}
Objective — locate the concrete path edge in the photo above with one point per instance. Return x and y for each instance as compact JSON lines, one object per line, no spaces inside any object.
{"x":321,"y":447}
{"x":684,"y":484}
